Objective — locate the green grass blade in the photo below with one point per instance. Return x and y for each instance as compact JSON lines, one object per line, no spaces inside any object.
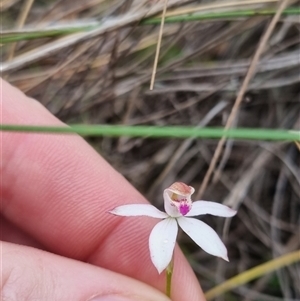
{"x":222,"y":15}
{"x":253,"y":273}
{"x":30,"y":34}
{"x":160,"y":132}
{"x":12,"y":36}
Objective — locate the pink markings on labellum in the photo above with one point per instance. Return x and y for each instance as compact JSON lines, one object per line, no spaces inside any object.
{"x":184,"y":208}
{"x":183,"y":205}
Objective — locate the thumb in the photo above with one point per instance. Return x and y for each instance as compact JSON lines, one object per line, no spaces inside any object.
{"x":31,"y":274}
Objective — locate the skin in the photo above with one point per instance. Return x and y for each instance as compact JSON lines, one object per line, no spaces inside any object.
{"x":58,"y":241}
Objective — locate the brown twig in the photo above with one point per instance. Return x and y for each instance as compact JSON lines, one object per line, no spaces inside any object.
{"x":249,"y":75}
{"x":158,"y":45}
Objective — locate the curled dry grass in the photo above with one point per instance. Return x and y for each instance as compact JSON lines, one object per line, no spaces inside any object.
{"x":100,"y":74}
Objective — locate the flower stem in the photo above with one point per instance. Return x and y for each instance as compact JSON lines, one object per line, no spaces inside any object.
{"x":169,"y":273}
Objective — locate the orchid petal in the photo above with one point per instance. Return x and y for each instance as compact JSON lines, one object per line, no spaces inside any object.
{"x":204,"y":207}
{"x":162,"y":242}
{"x":170,"y":209}
{"x":204,"y":236}
{"x":138,"y":210}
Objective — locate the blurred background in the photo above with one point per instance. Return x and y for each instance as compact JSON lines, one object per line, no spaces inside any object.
{"x":90,"y":62}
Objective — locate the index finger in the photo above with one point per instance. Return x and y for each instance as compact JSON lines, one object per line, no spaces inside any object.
{"x":58,"y":190}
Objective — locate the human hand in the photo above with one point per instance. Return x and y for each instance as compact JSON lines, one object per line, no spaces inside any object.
{"x":59,"y":242}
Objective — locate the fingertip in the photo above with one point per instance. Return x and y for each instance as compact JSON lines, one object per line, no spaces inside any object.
{"x":37,"y":275}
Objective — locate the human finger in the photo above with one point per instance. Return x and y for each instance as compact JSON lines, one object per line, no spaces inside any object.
{"x":58,"y":190}
{"x":31,"y":274}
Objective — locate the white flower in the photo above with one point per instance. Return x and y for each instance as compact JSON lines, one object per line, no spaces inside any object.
{"x":179,"y":206}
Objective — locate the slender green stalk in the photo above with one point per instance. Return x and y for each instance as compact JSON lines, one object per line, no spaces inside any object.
{"x":169,"y":274}
{"x":29,"y":34}
{"x":159,"y":132}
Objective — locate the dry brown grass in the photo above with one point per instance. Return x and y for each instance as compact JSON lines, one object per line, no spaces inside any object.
{"x":103,"y":76}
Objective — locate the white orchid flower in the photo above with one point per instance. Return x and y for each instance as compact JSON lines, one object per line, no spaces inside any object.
{"x":179,"y":208}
